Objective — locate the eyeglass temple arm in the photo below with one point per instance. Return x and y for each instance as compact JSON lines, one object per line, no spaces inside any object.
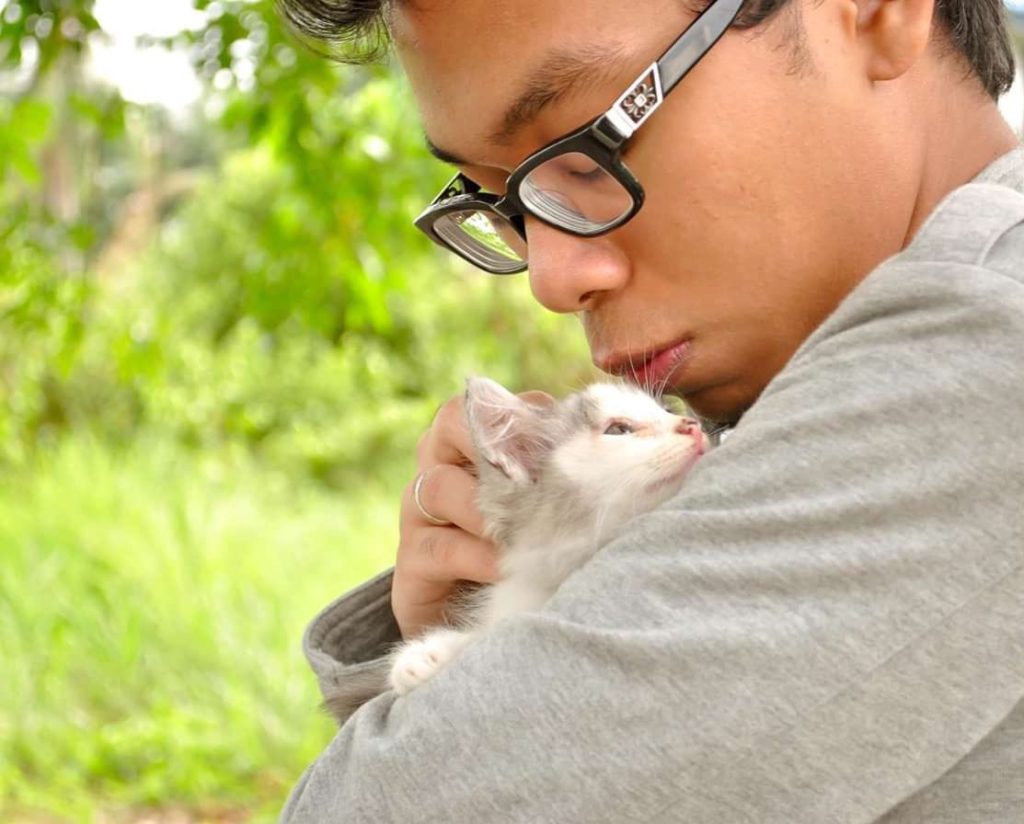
{"x":696,"y":41}
{"x":646,"y":94}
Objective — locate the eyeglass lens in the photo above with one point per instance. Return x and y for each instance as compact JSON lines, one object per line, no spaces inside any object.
{"x":573,"y":191}
{"x":570,"y":190}
{"x":485,"y":237}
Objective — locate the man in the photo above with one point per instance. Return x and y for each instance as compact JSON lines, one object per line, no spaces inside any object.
{"x":807,"y":218}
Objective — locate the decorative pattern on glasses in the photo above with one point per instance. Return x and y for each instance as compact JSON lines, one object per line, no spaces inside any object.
{"x":644,"y":97}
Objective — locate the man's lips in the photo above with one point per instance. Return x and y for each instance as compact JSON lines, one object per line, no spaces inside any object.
{"x":650,"y":368}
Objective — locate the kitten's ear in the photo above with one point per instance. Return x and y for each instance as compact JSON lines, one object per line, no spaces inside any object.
{"x":506,"y":431}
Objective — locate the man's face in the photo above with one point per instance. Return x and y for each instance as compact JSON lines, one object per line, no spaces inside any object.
{"x":773,"y":182}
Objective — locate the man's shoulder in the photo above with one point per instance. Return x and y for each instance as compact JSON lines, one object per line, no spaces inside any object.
{"x":964,"y":268}
{"x":979,"y":225}
{"x":948,"y":309}
{"x":1005,"y":253}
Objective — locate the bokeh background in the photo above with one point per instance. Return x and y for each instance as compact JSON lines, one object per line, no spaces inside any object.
{"x":220,"y":337}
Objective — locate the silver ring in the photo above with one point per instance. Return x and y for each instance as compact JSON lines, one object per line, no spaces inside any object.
{"x":419,"y":504}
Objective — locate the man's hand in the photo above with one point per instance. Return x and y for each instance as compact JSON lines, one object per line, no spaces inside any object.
{"x":433,"y":559}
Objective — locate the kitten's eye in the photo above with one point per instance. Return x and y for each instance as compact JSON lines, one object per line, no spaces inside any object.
{"x":619,"y":428}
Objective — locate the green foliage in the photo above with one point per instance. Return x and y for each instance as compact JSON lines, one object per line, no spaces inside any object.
{"x":41,"y":327}
{"x":152,"y":657}
{"x":23,"y":124}
{"x":38,"y":34}
{"x":329,"y":234}
{"x":42,"y":47}
{"x":289,"y":304}
{"x":209,"y":401}
{"x":254,"y":321}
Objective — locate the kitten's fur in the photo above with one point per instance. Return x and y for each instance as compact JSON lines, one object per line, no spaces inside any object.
{"x":556,"y":484}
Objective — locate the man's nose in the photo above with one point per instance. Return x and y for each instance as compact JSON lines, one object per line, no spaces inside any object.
{"x":569,"y":273}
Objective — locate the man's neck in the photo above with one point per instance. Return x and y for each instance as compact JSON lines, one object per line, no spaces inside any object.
{"x":958,"y":149}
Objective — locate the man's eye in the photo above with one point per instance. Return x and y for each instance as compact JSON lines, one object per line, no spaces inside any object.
{"x":587,"y":175}
{"x":619,"y":428}
{"x":578,"y":168}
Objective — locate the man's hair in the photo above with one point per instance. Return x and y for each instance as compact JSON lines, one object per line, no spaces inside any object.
{"x":977,"y":29}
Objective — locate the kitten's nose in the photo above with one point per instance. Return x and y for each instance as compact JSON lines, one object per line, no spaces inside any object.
{"x":688,"y":426}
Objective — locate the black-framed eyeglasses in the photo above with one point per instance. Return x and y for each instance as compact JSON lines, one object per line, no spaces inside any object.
{"x":578,"y":183}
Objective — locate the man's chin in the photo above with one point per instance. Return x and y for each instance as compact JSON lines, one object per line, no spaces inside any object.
{"x":724,"y":404}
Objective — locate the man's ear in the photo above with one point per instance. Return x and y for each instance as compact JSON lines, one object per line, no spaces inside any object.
{"x":505,"y":429}
{"x":895,"y":33}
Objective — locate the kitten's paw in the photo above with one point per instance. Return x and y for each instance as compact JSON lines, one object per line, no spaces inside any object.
{"x":419,"y":661}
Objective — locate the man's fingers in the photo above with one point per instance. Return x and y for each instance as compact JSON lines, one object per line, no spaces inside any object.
{"x":434,"y":557}
{"x":447,"y":441}
{"x":444,"y":555}
{"x":449,"y":494}
{"x":537,"y":398}
{"x":442,"y":530}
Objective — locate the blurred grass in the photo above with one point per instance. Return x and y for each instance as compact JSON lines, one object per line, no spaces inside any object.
{"x":151,"y":605}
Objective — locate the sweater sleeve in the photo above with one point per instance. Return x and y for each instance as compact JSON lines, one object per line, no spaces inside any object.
{"x":826,"y":619}
{"x":352,"y":633}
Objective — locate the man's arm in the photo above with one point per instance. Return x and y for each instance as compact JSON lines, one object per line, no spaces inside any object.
{"x":827,"y":618}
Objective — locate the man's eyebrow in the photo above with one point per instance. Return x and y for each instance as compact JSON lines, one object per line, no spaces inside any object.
{"x":560,"y":74}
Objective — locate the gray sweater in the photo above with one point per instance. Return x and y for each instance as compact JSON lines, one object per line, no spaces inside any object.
{"x":825,"y":625}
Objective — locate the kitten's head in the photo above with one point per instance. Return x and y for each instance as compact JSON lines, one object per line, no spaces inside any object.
{"x":591,"y":461}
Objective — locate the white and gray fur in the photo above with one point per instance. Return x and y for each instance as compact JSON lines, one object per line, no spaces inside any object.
{"x":556,"y":483}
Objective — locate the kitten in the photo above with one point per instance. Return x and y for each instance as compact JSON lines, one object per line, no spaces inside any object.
{"x":556,"y":484}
